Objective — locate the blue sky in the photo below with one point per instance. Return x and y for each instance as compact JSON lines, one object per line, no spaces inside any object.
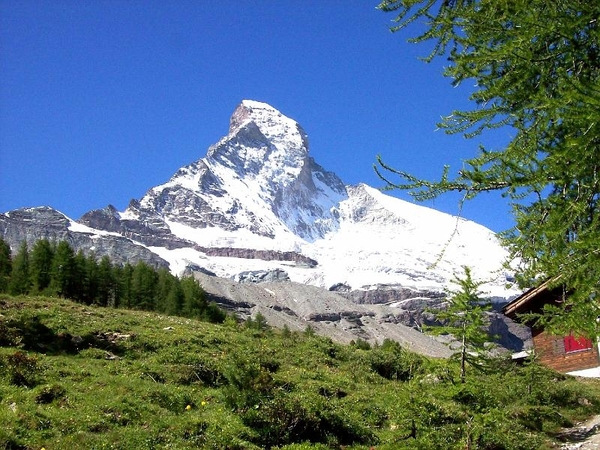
{"x":101,"y":100}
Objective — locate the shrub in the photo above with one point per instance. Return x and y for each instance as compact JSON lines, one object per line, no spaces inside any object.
{"x":288,"y":419}
{"x":475,"y":396}
{"x":214,"y":314}
{"x":539,"y":418}
{"x":22,"y":369}
{"x":281,"y":421}
{"x":249,"y":383}
{"x":392,"y":362}
{"x":259,"y":323}
{"x":9,"y":334}
{"x":195,"y":433}
{"x":361,"y":344}
{"x":203,"y":373}
{"x":50,"y":393}
{"x":10,"y":442}
{"x":171,"y":399}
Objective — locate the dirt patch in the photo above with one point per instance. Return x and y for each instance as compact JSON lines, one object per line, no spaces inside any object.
{"x":583,"y":436}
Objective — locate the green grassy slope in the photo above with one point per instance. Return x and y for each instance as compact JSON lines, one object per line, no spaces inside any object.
{"x":79,"y":377}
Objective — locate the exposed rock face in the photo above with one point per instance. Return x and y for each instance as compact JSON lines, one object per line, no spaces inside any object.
{"x":387,"y":294}
{"x":261,"y":276}
{"x":297,"y":306}
{"x":33,"y":224}
{"x":265,"y":255}
{"x":151,"y":231}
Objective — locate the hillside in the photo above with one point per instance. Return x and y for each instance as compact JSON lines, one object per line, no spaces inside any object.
{"x":80,"y":377}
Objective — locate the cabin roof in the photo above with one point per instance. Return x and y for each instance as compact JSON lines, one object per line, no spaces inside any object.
{"x":531,"y":300}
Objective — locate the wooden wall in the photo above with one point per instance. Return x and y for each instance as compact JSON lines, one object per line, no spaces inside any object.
{"x":551,"y":352}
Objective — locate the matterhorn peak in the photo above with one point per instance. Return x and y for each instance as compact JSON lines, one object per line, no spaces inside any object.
{"x":272,"y":124}
{"x":262,"y":144}
{"x":258,"y":201}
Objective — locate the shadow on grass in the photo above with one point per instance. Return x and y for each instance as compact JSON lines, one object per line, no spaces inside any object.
{"x":32,"y":335}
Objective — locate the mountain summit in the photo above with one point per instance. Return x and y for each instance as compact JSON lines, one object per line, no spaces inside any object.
{"x":258,"y":180}
{"x":258,"y":201}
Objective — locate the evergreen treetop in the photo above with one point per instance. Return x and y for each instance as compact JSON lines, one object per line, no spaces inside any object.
{"x":466,"y":320}
{"x":53,"y":269}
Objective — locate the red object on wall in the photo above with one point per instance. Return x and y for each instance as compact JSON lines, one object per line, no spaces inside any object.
{"x":576,"y":344}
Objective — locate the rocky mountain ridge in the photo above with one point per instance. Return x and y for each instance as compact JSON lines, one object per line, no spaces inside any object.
{"x":258,"y":203}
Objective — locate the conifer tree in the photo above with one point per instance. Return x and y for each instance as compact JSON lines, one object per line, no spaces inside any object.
{"x":536,"y":71}
{"x":194,"y":302}
{"x":88,"y":270}
{"x":466,"y":320}
{"x":163,"y":286}
{"x":5,"y":265}
{"x":83,"y":284}
{"x":41,"y":258}
{"x":106,"y":292}
{"x":143,"y":287}
{"x":62,"y":282}
{"x":124,"y":277}
{"x":20,"y":281}
{"x":175,"y":298}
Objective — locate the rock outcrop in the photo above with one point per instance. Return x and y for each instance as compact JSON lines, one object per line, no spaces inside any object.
{"x":33,"y":224}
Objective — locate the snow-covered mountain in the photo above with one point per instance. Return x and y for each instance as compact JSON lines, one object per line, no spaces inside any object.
{"x":258,"y":201}
{"x":258,"y":209}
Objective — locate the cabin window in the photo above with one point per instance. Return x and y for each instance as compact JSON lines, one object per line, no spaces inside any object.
{"x":577,"y":343}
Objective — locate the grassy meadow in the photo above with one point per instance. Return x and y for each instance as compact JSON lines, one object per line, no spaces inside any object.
{"x":81,"y":377}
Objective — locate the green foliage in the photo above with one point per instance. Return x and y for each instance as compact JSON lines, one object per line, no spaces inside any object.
{"x":64,"y":271}
{"x":258,"y":323}
{"x":286,"y":419}
{"x":465,"y":319}
{"x":195,"y":303}
{"x":144,"y":281}
{"x":55,"y":269}
{"x":20,"y":282}
{"x":106,"y":282}
{"x":392,"y":362}
{"x":286,"y":333}
{"x":534,"y":65}
{"x":204,"y":373}
{"x":309,"y":331}
{"x":5,"y":265}
{"x":42,"y":255}
{"x":82,"y":376}
{"x":48,"y":394}
{"x":249,"y":382}
{"x":361,"y":344}
{"x":21,"y":369}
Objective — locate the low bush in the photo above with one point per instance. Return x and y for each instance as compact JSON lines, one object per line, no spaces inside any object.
{"x":50,"y":393}
{"x":392,"y":362}
{"x":21,"y":369}
{"x":287,"y":419}
{"x":203,"y":373}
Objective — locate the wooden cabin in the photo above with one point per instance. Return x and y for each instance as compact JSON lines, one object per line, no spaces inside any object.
{"x":564,"y":354}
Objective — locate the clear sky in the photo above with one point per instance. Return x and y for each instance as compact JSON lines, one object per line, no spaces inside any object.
{"x":102,"y":100}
